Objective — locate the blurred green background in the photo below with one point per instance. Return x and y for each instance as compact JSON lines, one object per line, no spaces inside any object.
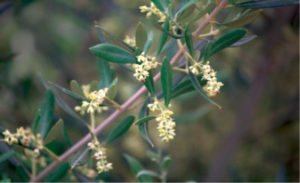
{"x":254,"y":137}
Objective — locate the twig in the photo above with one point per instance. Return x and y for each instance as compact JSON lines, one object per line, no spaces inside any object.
{"x":127,"y":104}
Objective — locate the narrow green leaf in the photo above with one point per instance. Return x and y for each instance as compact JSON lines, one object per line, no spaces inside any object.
{"x":62,"y":104}
{"x":58,"y":173}
{"x":148,"y":173}
{"x":35,"y":123}
{"x":76,"y":88}
{"x":144,"y":119}
{"x":185,"y":7}
{"x":67,"y":137}
{"x":121,"y":128}
{"x":189,"y":41}
{"x":47,"y":110}
{"x":164,"y":36}
{"x":199,"y":89}
{"x":243,"y":41}
{"x":55,"y":132}
{"x":166,"y":80}
{"x":143,"y":128}
{"x":94,"y":85}
{"x":67,"y":92}
{"x":149,"y":83}
{"x":112,"y":90}
{"x":105,"y":73}
{"x":166,"y":162}
{"x":80,"y":158}
{"x":106,"y":37}
{"x":244,"y":19}
{"x":148,"y":43}
{"x":135,"y":167}
{"x":267,"y":3}
{"x":227,"y":40}
{"x":207,"y":52}
{"x":4,"y":157}
{"x":158,"y":5}
{"x":140,"y":36}
{"x":185,"y":86}
{"x":113,"y":53}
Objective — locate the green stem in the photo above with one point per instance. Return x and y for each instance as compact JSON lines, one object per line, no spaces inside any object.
{"x":92,"y":116}
{"x":116,"y":105}
{"x":33,"y":167}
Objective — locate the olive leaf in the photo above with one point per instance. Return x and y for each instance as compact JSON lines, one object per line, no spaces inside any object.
{"x":105,"y":73}
{"x":164,"y":36}
{"x":113,"y":53}
{"x":140,"y":36}
{"x":166,"y":80}
{"x":136,"y":167}
{"x":121,"y":128}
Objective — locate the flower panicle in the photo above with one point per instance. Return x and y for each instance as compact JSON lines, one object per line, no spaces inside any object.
{"x":26,"y":138}
{"x":152,"y":9}
{"x":102,"y":164}
{"x":146,"y":63}
{"x":93,"y":104}
{"x":166,"y":124}
{"x":213,"y":86}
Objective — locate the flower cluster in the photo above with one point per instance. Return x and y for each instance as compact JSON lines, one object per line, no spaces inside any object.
{"x":166,"y":124}
{"x":95,"y":99}
{"x":142,"y":70}
{"x":102,"y":165}
{"x":130,"y":41}
{"x":26,"y":138}
{"x":153,"y":10}
{"x":212,"y":86}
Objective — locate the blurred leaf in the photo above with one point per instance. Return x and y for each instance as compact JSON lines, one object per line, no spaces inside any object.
{"x":135,"y":167}
{"x":106,"y":37}
{"x":55,"y":132}
{"x":112,"y":90}
{"x":80,"y":158}
{"x":143,"y":128}
{"x":35,"y":123}
{"x":150,"y":38}
{"x":147,"y":173}
{"x":58,"y":173}
{"x":166,"y":162}
{"x":189,"y":41}
{"x":226,"y":40}
{"x":68,"y":92}
{"x":166,"y":80}
{"x":164,"y":36}
{"x":76,"y":88}
{"x":47,"y":110}
{"x":199,"y":89}
{"x":144,"y":119}
{"x":5,"y":180}
{"x":207,"y":52}
{"x":243,"y":41}
{"x":105,"y":73}
{"x":201,"y":13}
{"x":94,"y":85}
{"x":113,"y":53}
{"x":266,"y":3}
{"x":183,"y":9}
{"x":158,"y":5}
{"x":4,"y":157}
{"x":121,"y":128}
{"x":140,"y":36}
{"x":244,"y":19}
{"x":67,"y":137}
{"x":82,"y":178}
{"x":149,"y":83}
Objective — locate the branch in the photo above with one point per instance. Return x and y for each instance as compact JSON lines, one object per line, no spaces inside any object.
{"x":125,"y":106}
